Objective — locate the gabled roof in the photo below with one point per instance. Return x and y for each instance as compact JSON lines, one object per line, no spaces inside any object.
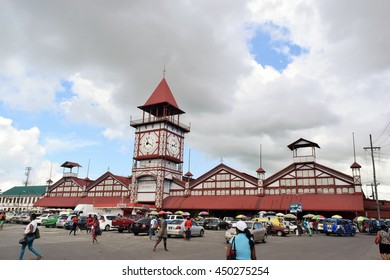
{"x":302,"y":143}
{"x":80,"y":182}
{"x":126,"y":181}
{"x":220,"y":167}
{"x":161,"y":98}
{"x":337,"y":174}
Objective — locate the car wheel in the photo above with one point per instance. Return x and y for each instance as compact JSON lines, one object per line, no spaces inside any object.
{"x":169,"y":235}
{"x":120,"y":230}
{"x":107,"y":228}
{"x":136,"y":233}
{"x":264,"y":238}
{"x":352,"y":234}
{"x":279,"y":233}
{"x":201,"y":233}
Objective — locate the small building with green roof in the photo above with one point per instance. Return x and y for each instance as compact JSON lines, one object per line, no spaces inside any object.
{"x":21,"y":198}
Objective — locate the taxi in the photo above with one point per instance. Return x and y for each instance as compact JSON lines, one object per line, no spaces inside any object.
{"x":340,"y":227}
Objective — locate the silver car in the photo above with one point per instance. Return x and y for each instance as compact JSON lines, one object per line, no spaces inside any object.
{"x":257,"y":229}
{"x":176,"y":228}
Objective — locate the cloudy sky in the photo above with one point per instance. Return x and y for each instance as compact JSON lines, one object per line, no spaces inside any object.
{"x":247,"y":74}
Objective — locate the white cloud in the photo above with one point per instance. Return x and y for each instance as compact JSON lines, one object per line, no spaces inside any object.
{"x":339,"y":86}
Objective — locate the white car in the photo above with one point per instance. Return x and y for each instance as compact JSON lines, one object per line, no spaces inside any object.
{"x":176,"y":228}
{"x":40,"y":218}
{"x":292,"y":227}
{"x":61,"y":221}
{"x":105,"y":222}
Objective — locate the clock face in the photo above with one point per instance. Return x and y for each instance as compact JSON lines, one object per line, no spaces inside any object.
{"x":148,"y":143}
{"x":173,"y":145}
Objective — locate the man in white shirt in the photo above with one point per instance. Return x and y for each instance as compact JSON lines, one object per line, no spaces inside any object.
{"x":153,"y":227}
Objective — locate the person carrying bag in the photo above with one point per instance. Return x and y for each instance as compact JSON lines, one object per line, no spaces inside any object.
{"x":242,"y":246}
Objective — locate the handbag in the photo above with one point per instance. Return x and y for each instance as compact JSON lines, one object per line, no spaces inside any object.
{"x":377,"y":239}
{"x":23,"y":241}
{"x":37,"y":234}
{"x":233,"y":252}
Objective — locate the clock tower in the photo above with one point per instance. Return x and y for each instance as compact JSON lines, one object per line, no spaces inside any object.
{"x":158,"y":147}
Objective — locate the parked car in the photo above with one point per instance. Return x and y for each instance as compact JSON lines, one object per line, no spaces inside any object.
{"x":176,"y":228}
{"x":82,"y":223}
{"x":50,"y":221}
{"x":106,"y":222}
{"x":276,"y":229}
{"x":215,"y":224}
{"x":373,"y":226}
{"x":123,"y":224}
{"x":16,"y":218}
{"x":40,"y":218}
{"x":61,"y":221}
{"x":170,"y":218}
{"x":229,"y":220}
{"x":341,"y":227}
{"x":25,"y":218}
{"x":257,"y":229}
{"x":291,"y":227}
{"x":141,"y":226}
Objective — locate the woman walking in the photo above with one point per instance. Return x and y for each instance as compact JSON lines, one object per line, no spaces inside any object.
{"x":95,"y":229}
{"x":29,"y":235}
{"x":384,"y":243}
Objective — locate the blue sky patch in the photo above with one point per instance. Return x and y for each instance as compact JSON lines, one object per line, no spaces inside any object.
{"x":66,"y":93}
{"x":277,"y":53}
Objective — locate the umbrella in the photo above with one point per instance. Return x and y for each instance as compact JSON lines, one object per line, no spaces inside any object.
{"x":186,"y":214}
{"x":179,"y":212}
{"x":360,"y":218}
{"x":291,"y":216}
{"x":280,"y":214}
{"x":203,"y":213}
{"x":168,"y":213}
{"x":316,"y":217}
{"x":337,"y":217}
{"x":154,"y":212}
{"x":241,"y":216}
{"x":162,"y":212}
{"x":308,"y":216}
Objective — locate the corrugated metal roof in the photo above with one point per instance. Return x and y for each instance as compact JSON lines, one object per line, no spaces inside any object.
{"x":26,"y":191}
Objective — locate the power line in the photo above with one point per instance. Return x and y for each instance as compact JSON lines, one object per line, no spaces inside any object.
{"x":383,"y":131}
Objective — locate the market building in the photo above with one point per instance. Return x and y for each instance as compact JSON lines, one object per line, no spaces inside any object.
{"x":157,"y":180}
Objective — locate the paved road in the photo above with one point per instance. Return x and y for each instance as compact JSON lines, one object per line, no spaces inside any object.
{"x":57,"y":244}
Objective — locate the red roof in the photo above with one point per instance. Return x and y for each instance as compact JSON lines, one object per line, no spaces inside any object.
{"x":314,"y":202}
{"x":161,"y":97}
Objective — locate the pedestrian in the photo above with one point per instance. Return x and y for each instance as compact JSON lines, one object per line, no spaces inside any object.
{"x":89,"y":223}
{"x":75,"y":221}
{"x":299,"y":228}
{"x":243,"y":243}
{"x":2,"y":219}
{"x":162,"y":233}
{"x":187,"y":228}
{"x":95,"y":229}
{"x":269,"y":226}
{"x":384,"y":242}
{"x":315,"y":226}
{"x":310,"y":227}
{"x":29,"y":236}
{"x":153,"y":227}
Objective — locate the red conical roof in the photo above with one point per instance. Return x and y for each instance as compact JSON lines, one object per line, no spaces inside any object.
{"x":161,"y":98}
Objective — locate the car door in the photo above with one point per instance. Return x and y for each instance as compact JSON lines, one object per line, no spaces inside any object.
{"x":195,"y":229}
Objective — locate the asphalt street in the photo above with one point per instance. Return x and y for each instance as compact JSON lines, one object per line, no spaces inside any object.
{"x":57,"y":244}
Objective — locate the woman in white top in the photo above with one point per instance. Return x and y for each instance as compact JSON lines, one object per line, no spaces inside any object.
{"x":29,"y":235}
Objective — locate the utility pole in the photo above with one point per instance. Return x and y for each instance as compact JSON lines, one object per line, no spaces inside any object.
{"x":371,"y":148}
